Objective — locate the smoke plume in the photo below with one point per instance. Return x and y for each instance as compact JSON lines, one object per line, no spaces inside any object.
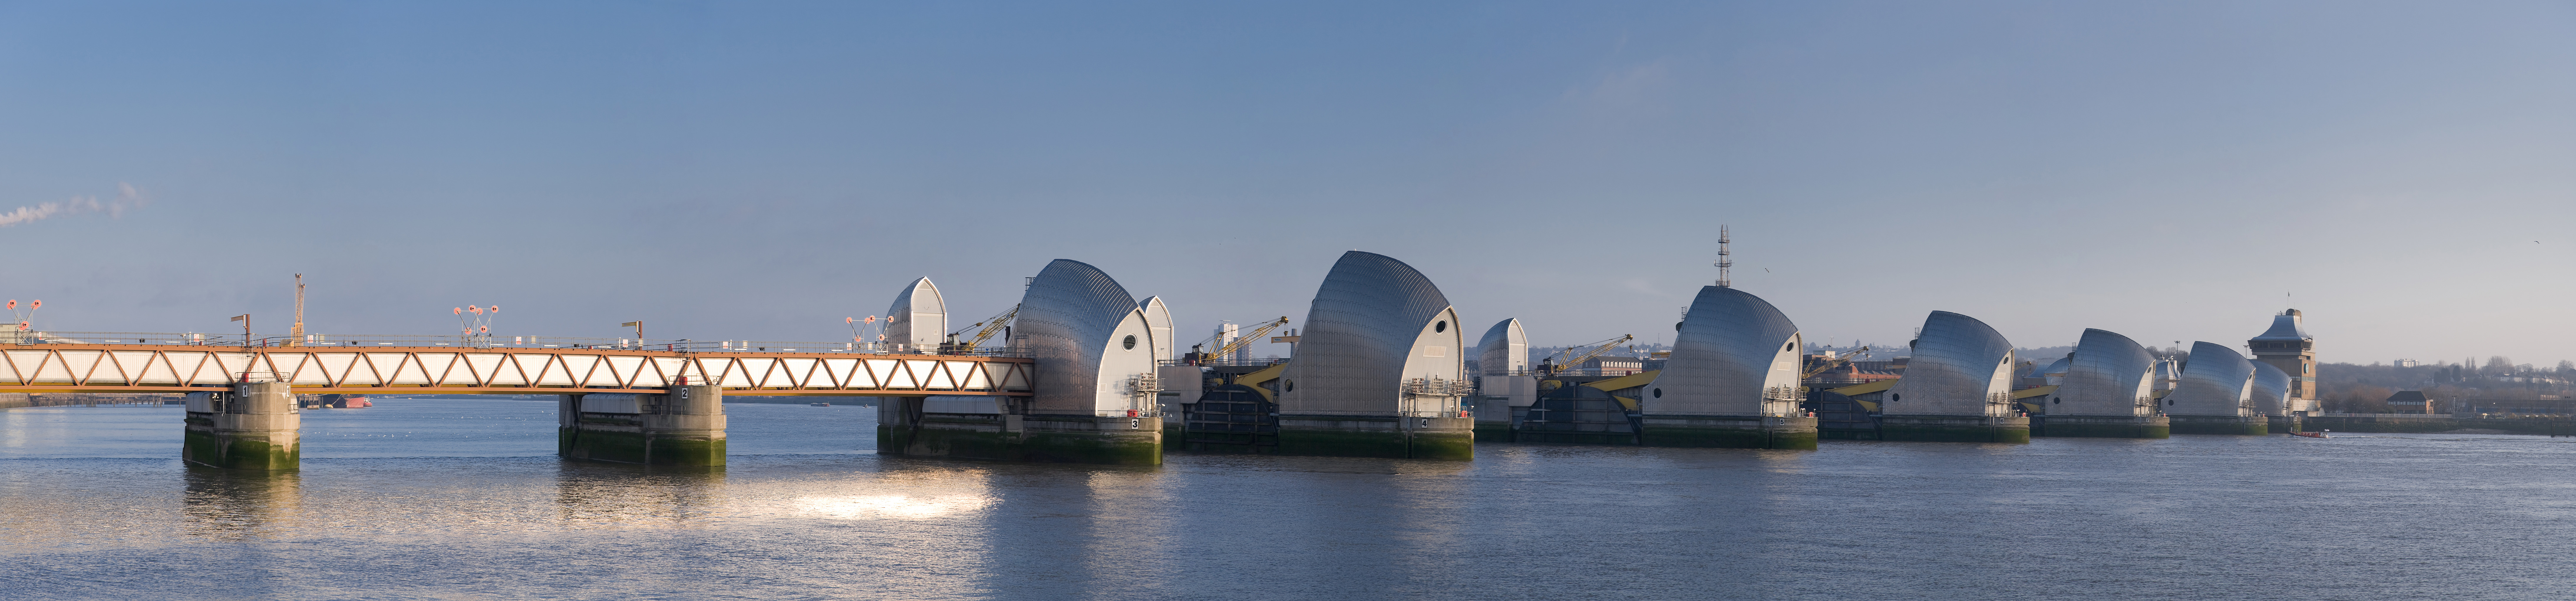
{"x":126,"y":198}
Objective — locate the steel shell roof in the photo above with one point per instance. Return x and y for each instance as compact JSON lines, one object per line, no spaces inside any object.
{"x":1957,"y":362}
{"x":1728,"y":348}
{"x":1359,"y":334}
{"x":2106,"y":376}
{"x":2271,"y":389}
{"x":2213,"y":382}
{"x":1504,"y":349}
{"x":1066,"y":321}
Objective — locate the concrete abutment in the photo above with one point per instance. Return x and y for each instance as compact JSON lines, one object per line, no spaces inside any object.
{"x":904,"y":429}
{"x":685,"y":427}
{"x":1452,"y":438}
{"x":2103,"y":426}
{"x":254,"y":426}
{"x":2256,"y":425}
{"x":1954,"y":428}
{"x":1730,"y":432}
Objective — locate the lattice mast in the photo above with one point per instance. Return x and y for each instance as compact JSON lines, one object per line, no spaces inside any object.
{"x":1725,"y":259}
{"x":298,"y":334}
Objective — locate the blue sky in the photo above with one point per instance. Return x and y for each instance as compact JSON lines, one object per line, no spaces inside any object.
{"x":2167,"y":170}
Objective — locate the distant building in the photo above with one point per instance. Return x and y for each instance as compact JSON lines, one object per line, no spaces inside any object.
{"x":1893,"y":366}
{"x":2408,"y":363}
{"x":1609,"y":366}
{"x":2410,"y":401}
{"x":1850,"y":374}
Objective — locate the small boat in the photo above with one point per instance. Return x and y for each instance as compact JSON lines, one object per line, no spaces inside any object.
{"x":819,"y":404}
{"x":2311,"y":434}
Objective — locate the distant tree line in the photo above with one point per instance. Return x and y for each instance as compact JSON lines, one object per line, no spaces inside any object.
{"x":2354,"y":388}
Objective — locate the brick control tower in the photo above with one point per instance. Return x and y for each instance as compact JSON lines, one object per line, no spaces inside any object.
{"x":2288,"y":347}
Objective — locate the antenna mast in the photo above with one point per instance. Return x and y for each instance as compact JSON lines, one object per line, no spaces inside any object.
{"x":1725,"y":259}
{"x":299,"y":310}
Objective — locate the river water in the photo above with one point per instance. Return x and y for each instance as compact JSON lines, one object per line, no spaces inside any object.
{"x":463,"y":499}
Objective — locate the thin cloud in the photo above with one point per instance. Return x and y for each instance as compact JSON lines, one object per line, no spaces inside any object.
{"x":126,"y":198}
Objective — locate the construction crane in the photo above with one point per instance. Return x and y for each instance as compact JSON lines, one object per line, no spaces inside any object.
{"x":1239,"y":341}
{"x":1835,"y":362}
{"x":991,"y":327}
{"x":1603,"y":347}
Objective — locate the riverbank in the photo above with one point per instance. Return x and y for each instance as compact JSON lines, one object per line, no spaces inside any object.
{"x":2402,"y":423}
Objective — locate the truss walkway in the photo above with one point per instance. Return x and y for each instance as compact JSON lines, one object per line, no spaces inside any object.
{"x":384,"y":364}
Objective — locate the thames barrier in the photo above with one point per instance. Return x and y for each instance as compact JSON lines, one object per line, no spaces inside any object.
{"x":1080,"y":370}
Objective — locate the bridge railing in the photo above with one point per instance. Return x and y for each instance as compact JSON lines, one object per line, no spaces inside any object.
{"x":1219,"y":362}
{"x":355,"y":341}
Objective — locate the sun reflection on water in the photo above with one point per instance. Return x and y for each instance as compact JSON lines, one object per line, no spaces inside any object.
{"x":888,"y":506}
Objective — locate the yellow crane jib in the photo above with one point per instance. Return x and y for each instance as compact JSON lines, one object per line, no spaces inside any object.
{"x":991,"y":327}
{"x":1604,"y":347}
{"x":1248,"y":337}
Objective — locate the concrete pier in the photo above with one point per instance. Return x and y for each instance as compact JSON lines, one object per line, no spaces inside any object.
{"x":2221,"y":424}
{"x":254,"y":426}
{"x":905,"y":428}
{"x":1378,"y":436}
{"x":1506,"y":398}
{"x":1954,"y":428}
{"x":1730,"y":432}
{"x":685,"y":427}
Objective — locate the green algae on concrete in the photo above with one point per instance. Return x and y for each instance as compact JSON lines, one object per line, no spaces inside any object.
{"x":905,"y":430}
{"x":683,"y":428}
{"x":1090,"y":439}
{"x":1730,"y":432}
{"x":637,"y":446}
{"x":1493,"y":431}
{"x":684,"y":450}
{"x":1950,"y":428}
{"x":240,"y":451}
{"x":1342,"y":443}
{"x":1450,"y":438}
{"x":2221,"y":424}
{"x":1453,"y":445}
{"x":2103,"y":426}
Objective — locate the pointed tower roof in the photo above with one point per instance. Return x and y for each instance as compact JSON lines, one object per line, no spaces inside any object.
{"x":2285,"y":327}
